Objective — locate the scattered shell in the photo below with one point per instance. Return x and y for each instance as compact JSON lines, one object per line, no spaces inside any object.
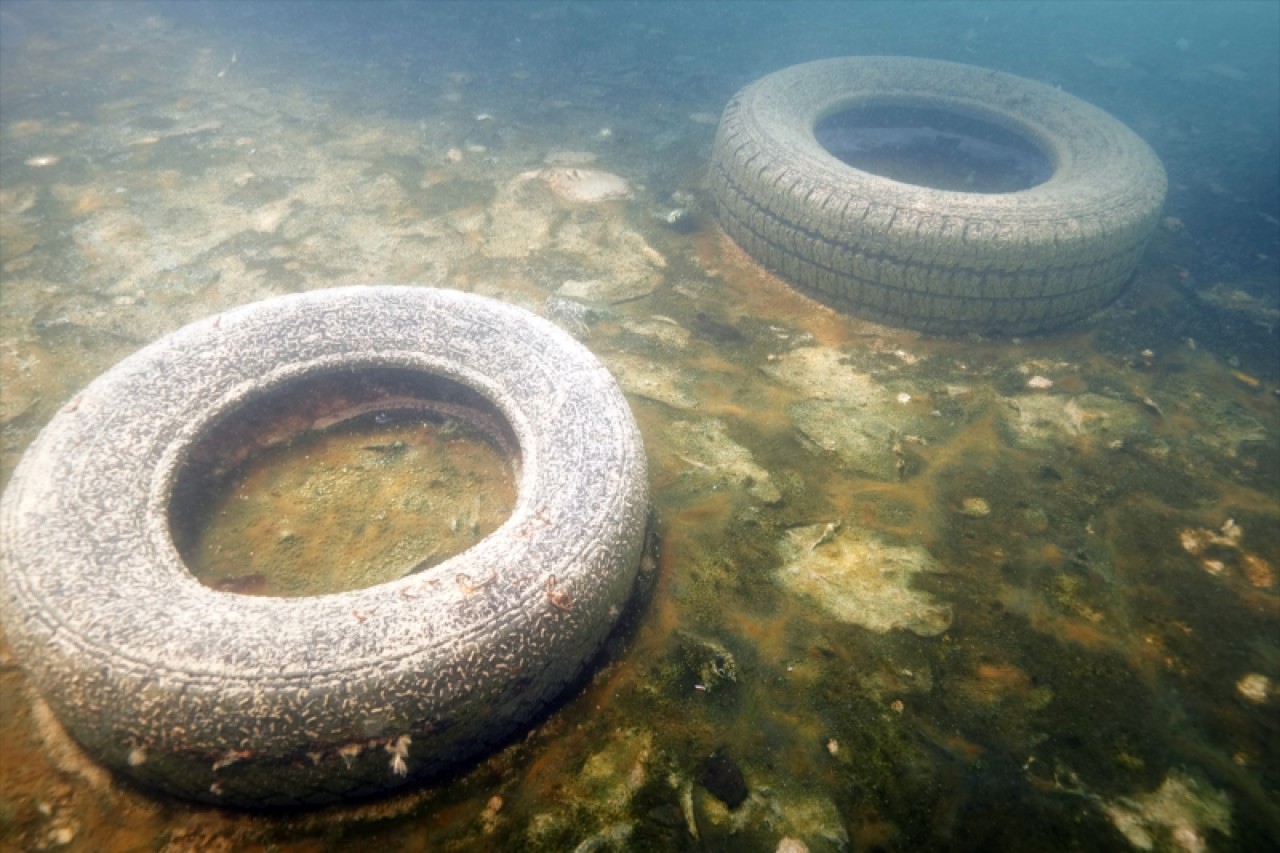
{"x":489,"y":817}
{"x":453,"y":155}
{"x":43,"y":160}
{"x":1257,"y":571}
{"x":1191,"y":540}
{"x":1041,"y":383}
{"x":585,"y":186}
{"x":1254,"y":687}
{"x":1214,"y":567}
{"x":399,"y":750}
{"x":61,"y":836}
{"x":1195,"y":541}
{"x":904,"y":398}
{"x":975,"y":507}
{"x":833,"y":746}
{"x":679,"y":219}
{"x":1250,"y":382}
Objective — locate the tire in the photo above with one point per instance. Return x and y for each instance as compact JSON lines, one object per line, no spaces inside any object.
{"x":939,"y":261}
{"x":268,"y":702}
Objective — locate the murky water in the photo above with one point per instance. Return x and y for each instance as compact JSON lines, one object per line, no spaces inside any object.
{"x":912,"y":593}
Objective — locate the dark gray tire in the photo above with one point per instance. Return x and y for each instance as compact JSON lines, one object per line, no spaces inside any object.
{"x":262,"y":702}
{"x":939,"y":261}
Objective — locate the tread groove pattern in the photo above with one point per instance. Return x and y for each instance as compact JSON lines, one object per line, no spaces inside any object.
{"x":938,"y":261}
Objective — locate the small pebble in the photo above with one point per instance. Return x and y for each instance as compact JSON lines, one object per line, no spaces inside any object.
{"x":975,"y":507}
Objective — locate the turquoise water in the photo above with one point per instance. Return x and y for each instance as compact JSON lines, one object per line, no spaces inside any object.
{"x":967,"y":594}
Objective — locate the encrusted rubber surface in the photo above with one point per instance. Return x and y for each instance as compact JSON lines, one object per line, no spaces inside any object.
{"x":938,"y":261}
{"x":263,"y":702}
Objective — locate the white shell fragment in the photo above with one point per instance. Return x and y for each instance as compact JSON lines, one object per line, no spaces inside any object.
{"x":585,"y":186}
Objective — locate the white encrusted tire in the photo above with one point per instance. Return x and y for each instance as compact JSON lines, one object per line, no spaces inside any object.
{"x":263,"y":702}
{"x":939,"y":261}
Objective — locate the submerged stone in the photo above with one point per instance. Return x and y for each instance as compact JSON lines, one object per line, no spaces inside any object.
{"x":715,"y":460}
{"x":722,"y":776}
{"x":857,"y":578}
{"x":846,"y":411}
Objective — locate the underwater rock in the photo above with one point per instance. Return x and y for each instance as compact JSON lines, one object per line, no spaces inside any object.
{"x":611,"y":776}
{"x":573,"y":316}
{"x":1182,"y":810}
{"x":772,"y":811}
{"x":825,"y":374}
{"x":664,"y":331}
{"x":1223,"y":426}
{"x":646,"y":378}
{"x":1042,"y":421}
{"x":847,"y":412}
{"x":722,"y":776}
{"x":517,"y":225}
{"x":601,"y":795}
{"x":608,"y":290}
{"x":707,"y":660}
{"x":715,"y":460}
{"x":861,"y":580}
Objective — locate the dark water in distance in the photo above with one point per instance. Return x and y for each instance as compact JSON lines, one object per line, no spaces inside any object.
{"x":1200,"y":81}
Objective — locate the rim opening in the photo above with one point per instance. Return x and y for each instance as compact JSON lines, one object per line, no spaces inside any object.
{"x":341,"y":481}
{"x":930,"y":147}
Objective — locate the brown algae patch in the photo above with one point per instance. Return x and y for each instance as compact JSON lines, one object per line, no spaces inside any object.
{"x":352,"y":507}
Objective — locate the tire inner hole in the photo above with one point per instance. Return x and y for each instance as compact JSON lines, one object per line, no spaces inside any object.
{"x":933,"y":148}
{"x":342,"y":481}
